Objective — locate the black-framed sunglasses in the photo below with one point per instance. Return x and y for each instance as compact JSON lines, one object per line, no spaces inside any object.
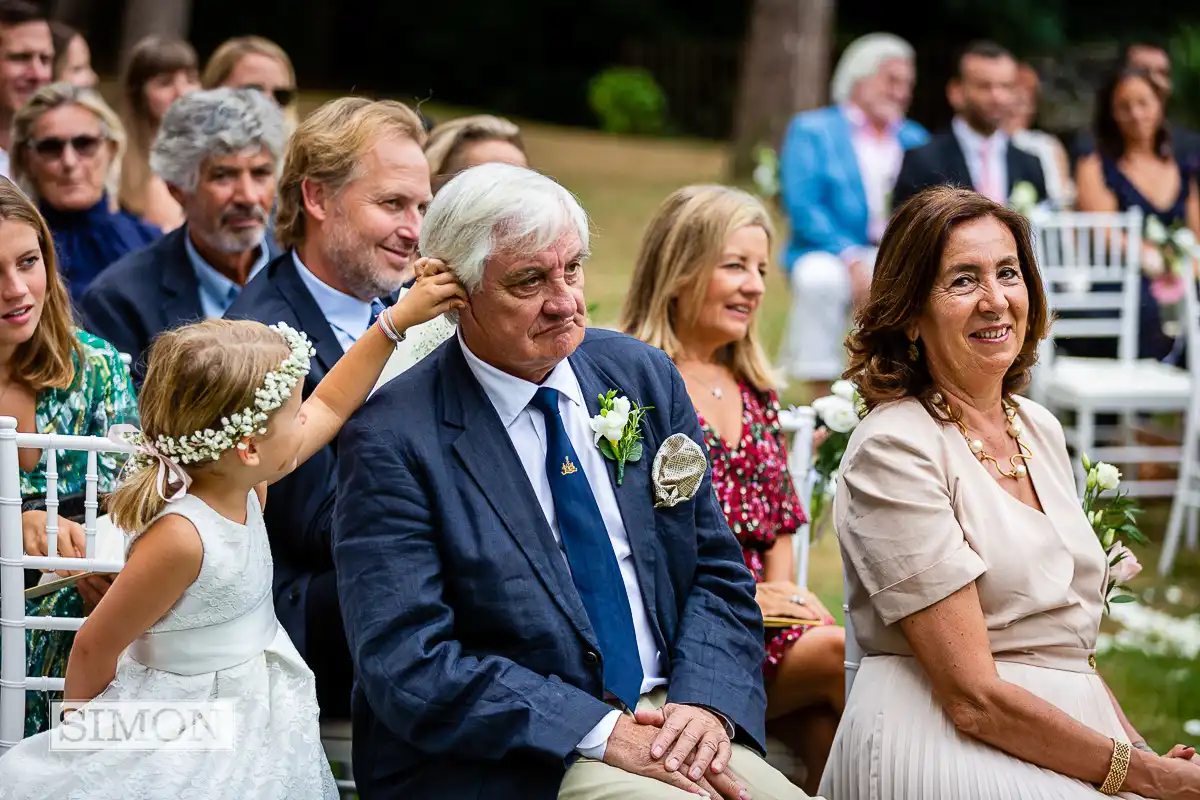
{"x":282,"y":97}
{"x":54,"y":147}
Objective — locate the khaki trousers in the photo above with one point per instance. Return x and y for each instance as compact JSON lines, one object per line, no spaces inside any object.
{"x":595,"y":780}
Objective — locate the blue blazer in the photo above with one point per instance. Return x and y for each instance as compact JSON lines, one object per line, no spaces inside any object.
{"x":299,"y":511}
{"x":476,"y":667}
{"x":143,"y":294}
{"x":821,"y":183}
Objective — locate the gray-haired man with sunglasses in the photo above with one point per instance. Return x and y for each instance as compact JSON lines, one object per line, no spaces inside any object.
{"x":26,"y":60}
{"x":218,"y":152}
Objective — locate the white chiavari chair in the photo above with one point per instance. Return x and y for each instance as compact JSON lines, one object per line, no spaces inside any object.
{"x":13,"y":561}
{"x":799,"y":423}
{"x":335,"y":738}
{"x":1076,"y":252}
{"x":1187,"y":490}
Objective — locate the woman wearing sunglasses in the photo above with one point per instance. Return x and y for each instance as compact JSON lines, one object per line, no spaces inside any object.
{"x":252,"y":62}
{"x":158,"y":73}
{"x":66,"y":155}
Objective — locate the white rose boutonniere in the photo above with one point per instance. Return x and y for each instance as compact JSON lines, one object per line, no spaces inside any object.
{"x":1024,"y":197}
{"x":617,"y":430}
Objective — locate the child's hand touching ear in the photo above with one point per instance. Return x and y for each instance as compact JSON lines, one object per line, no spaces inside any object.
{"x":435,"y":292}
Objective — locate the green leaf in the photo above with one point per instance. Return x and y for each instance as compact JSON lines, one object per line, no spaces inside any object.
{"x":1087,"y":464}
{"x":1123,"y":598}
{"x":620,"y":471}
{"x":607,"y":450}
{"x":634,"y":453}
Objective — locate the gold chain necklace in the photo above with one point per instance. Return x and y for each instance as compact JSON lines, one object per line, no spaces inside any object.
{"x":1023,"y":454}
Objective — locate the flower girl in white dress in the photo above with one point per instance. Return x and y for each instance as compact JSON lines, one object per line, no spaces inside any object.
{"x":190,"y":617}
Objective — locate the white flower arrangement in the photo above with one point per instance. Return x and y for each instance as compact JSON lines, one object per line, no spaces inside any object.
{"x":839,"y":414}
{"x":1024,"y":197}
{"x":209,"y":444}
{"x":1115,"y":516}
{"x":766,"y":172}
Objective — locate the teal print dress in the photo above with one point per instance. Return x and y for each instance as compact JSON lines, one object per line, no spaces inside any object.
{"x":102,"y":396}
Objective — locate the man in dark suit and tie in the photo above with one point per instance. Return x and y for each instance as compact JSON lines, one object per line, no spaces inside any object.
{"x":219,"y":153}
{"x":975,"y":152}
{"x":354,"y":187}
{"x":528,"y":545}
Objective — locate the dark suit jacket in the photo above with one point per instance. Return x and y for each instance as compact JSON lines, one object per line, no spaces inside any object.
{"x":942,"y":161}
{"x":476,"y":667}
{"x":299,"y":511}
{"x":143,"y":294}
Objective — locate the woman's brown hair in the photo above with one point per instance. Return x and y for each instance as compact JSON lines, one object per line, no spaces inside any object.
{"x":447,"y":142}
{"x":908,"y":263}
{"x":50,"y":358}
{"x":680,"y":250}
{"x":196,"y":375}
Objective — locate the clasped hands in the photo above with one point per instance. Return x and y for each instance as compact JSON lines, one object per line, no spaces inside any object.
{"x":72,"y":543}
{"x":683,"y":746}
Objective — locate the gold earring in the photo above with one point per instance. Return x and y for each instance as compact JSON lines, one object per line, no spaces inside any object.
{"x":913,"y":352}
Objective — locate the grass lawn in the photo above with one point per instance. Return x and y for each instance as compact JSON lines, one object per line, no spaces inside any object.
{"x":622,"y":180}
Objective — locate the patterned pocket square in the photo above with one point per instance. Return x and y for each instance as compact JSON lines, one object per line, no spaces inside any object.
{"x":679,"y":466}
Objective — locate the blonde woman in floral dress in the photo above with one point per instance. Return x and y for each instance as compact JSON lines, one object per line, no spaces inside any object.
{"x":695,"y":294}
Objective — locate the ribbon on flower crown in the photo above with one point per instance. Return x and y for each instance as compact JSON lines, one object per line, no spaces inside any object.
{"x":169,"y":471}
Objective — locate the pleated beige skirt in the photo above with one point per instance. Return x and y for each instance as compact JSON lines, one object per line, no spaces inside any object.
{"x":896,"y":743}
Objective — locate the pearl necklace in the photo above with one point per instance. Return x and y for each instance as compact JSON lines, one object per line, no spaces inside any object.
{"x":1019,"y":470}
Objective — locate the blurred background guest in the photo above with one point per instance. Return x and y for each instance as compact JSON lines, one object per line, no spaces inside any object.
{"x":252,"y":62}
{"x":1135,"y":166}
{"x":26,"y":64}
{"x":219,"y":152}
{"x":54,"y":378}
{"x":838,"y":166}
{"x":1046,"y":146}
{"x":67,"y":147}
{"x":695,"y":294}
{"x":72,"y":57}
{"x":159,"y":72}
{"x":470,"y":141}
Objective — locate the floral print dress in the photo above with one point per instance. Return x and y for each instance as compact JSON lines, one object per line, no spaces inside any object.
{"x":102,"y":396}
{"x":754,"y":489}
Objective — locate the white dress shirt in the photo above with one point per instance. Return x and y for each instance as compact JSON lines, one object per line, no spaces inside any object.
{"x":347,"y":316}
{"x":511,"y":397}
{"x":879,"y":156}
{"x":987,"y":159}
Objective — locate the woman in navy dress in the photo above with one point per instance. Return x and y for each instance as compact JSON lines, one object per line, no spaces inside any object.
{"x":67,"y":147}
{"x":1134,"y":166}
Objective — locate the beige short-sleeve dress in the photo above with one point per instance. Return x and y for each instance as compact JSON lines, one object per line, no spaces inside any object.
{"x":918,"y":518}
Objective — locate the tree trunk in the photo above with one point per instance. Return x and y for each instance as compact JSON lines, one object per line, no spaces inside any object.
{"x":145,"y":17}
{"x":785,"y":69}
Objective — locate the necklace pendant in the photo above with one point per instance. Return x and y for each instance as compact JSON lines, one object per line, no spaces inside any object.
{"x":717,"y":393}
{"x":1020,"y":471}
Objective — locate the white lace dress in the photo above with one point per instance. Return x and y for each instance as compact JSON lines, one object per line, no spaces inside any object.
{"x":220,"y":641}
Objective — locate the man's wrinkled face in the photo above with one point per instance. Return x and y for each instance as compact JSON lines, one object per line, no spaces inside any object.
{"x":529,"y":313}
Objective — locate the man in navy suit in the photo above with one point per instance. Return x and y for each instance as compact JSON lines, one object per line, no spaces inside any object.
{"x":354,"y":187}
{"x":975,"y":153}
{"x":219,"y":153}
{"x":511,"y":594}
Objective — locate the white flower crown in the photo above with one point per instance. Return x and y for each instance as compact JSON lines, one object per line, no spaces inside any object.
{"x":209,"y":444}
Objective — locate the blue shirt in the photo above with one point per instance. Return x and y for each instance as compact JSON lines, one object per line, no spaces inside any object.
{"x":217,"y":292}
{"x":348,"y":316}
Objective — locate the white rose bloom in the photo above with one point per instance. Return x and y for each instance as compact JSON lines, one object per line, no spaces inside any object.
{"x":1184,"y":239}
{"x":1155,"y":231}
{"x":837,"y":413}
{"x":844,"y":390}
{"x":609,"y":426}
{"x":1024,"y":196}
{"x":1127,"y":568}
{"x":1108,"y":477}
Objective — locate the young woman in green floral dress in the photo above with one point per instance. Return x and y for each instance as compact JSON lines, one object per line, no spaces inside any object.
{"x":57,"y":379}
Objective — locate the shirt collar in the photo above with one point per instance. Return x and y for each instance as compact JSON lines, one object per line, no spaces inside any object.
{"x":972,"y":139}
{"x":340,"y":310}
{"x":859,"y":124}
{"x":214,"y":282}
{"x":511,"y":395}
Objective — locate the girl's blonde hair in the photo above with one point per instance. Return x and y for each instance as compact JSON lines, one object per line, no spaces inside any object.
{"x":226,"y":57}
{"x":50,"y":358}
{"x":447,"y":142}
{"x":49,"y":98}
{"x":196,"y":375}
{"x":680,"y":250}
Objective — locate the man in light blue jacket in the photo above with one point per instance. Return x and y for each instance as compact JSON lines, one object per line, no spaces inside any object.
{"x":838,"y":167}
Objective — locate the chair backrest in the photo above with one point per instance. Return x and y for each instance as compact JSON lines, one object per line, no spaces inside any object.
{"x":854,"y":652}
{"x":1078,"y":251}
{"x":13,"y":561}
{"x":799,"y":424}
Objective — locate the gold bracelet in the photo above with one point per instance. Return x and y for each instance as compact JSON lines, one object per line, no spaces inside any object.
{"x":1118,"y":769}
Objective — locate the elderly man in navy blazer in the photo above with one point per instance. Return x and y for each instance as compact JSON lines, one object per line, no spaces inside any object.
{"x":529,"y":549}
{"x":219,"y":153}
{"x":354,"y":188}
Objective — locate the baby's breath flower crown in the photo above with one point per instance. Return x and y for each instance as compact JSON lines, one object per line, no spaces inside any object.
{"x":209,"y":444}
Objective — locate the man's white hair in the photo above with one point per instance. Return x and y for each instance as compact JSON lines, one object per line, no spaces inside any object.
{"x":498,"y":208}
{"x":863,"y":58}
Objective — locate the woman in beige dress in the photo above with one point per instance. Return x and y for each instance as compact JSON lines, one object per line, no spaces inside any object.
{"x":975,"y":581}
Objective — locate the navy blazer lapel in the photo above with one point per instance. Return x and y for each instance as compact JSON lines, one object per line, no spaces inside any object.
{"x":955,"y":163}
{"x":308,"y":313}
{"x":180,"y":289}
{"x":635,"y":495}
{"x":489,"y":457}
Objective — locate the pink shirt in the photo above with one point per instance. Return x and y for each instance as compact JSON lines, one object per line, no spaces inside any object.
{"x":879,"y":157}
